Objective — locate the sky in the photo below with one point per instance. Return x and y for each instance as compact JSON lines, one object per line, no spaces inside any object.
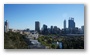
{"x":22,"y":16}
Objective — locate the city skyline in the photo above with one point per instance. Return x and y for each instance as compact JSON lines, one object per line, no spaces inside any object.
{"x":21,"y":16}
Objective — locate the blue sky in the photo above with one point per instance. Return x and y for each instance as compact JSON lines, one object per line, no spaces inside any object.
{"x":22,"y":16}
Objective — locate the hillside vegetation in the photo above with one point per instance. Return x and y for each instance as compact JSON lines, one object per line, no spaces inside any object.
{"x":14,"y":41}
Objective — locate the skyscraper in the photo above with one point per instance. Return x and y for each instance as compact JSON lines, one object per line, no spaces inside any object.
{"x":55,"y":29}
{"x":82,"y":28}
{"x":45,"y":29}
{"x":64,"y":24}
{"x":51,"y":29}
{"x":71,"y":26}
{"x":6,"y":26}
{"x":37,"y":26}
{"x":44,"y":26}
{"x":71,"y":23}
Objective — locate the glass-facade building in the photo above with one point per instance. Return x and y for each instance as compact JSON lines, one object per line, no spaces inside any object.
{"x":71,"y":23}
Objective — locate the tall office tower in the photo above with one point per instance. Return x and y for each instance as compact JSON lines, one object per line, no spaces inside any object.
{"x":51,"y":29}
{"x":55,"y":29}
{"x":82,"y":28}
{"x":71,"y":23}
{"x":45,"y":29}
{"x":37,"y":26}
{"x":6,"y":26}
{"x":64,"y":24}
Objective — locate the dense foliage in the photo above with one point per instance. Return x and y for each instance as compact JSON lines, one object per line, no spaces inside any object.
{"x":47,"y":41}
{"x":14,"y":41}
{"x":68,"y":42}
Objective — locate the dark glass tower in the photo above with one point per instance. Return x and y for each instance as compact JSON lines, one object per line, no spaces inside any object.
{"x":71,"y":23}
{"x":37,"y":26}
